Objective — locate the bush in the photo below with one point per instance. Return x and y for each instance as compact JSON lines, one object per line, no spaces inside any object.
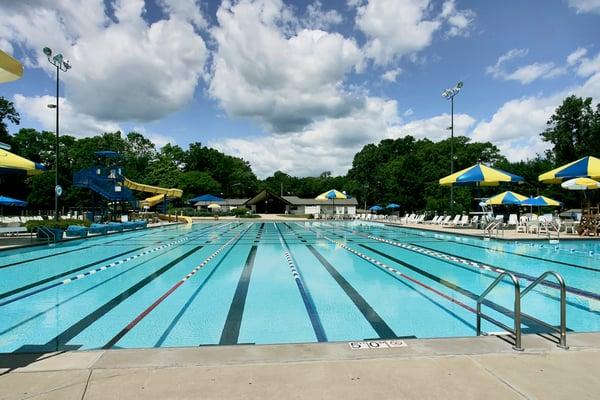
{"x":240,"y":211}
{"x":250,"y":216}
{"x":60,"y":224}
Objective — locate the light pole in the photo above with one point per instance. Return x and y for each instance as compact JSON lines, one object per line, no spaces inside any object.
{"x":61,"y":65}
{"x":449,"y":94}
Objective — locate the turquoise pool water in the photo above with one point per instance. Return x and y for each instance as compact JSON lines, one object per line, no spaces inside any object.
{"x":284,"y":282}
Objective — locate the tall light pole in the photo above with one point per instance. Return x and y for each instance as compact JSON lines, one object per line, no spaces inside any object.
{"x":61,"y":65}
{"x":449,"y":94}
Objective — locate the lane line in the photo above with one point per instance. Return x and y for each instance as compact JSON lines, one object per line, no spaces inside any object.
{"x":309,"y":303}
{"x":148,"y":310}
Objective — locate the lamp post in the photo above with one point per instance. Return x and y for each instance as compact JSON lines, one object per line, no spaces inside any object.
{"x":449,"y":94}
{"x":61,"y":65}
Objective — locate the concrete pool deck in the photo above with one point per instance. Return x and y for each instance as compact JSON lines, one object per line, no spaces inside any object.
{"x":457,"y":368}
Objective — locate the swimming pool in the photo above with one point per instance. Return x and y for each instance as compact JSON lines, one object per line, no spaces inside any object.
{"x":279,"y":282}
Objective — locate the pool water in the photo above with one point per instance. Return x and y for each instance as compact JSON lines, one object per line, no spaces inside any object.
{"x":279,"y":282}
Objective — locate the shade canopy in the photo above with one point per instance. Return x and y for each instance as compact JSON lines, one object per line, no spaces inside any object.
{"x":7,"y":201}
{"x":213,"y":205}
{"x":586,"y":167}
{"x":10,"y":69}
{"x":480,"y":175}
{"x":13,"y":164}
{"x":541,"y":201}
{"x":580,"y":184}
{"x":206,"y":197}
{"x":507,"y":197}
{"x":376,"y":208}
{"x":392,"y":206}
{"x":331,"y":195}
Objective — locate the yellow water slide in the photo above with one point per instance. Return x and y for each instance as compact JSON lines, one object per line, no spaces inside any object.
{"x":153,"y":200}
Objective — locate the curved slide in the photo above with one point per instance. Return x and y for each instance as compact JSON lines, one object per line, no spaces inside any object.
{"x":153,"y":200}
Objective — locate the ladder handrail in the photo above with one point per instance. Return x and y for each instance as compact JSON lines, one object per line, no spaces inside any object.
{"x":517,"y":308}
{"x":48,"y":232}
{"x":563,"y":304}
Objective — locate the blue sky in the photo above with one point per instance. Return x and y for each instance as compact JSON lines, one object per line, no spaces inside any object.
{"x":300,"y":86}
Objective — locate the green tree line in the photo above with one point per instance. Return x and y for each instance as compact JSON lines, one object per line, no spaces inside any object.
{"x":404,"y":170}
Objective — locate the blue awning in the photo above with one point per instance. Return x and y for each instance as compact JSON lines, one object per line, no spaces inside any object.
{"x":7,"y":201}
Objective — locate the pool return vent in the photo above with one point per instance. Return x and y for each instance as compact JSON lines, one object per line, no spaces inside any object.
{"x":516,"y":330}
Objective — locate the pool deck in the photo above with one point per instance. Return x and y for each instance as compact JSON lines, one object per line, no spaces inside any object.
{"x":458,"y":368}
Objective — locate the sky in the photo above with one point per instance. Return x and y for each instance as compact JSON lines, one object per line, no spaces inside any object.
{"x":301,"y":86}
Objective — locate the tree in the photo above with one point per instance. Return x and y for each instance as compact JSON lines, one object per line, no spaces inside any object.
{"x":7,"y":112}
{"x":574,"y":130}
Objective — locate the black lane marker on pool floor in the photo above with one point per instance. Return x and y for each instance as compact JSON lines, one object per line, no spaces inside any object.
{"x":231,"y":330}
{"x":62,"y":274}
{"x":383,"y":330}
{"x":75,"y":329}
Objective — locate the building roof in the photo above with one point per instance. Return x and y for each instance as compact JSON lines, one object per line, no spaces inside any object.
{"x":223,"y":202}
{"x":297,"y":201}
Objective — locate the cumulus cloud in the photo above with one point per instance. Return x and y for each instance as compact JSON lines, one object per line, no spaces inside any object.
{"x":391,"y":75}
{"x":71,"y":122}
{"x":317,"y":18}
{"x":123,"y":68}
{"x":516,"y":125}
{"x":585,"y":6}
{"x":283,"y":81}
{"x":436,"y":127}
{"x":397,"y":28}
{"x":524,"y":74}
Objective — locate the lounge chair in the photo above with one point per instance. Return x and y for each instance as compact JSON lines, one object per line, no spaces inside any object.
{"x":512,"y":221}
{"x":434,"y":220}
{"x":522,"y":225}
{"x":443,"y":221}
{"x":454,"y":222}
{"x":464,"y":221}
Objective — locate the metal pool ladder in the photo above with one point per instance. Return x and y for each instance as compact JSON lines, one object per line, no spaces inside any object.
{"x":518,"y":295}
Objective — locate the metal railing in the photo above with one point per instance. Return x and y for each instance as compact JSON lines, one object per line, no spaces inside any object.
{"x":562,"y":329}
{"x":495,"y":225}
{"x":518,"y":295}
{"x":49,"y":233}
{"x":516,"y":330}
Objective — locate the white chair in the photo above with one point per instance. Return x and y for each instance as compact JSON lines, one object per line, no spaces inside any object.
{"x":464,"y":221}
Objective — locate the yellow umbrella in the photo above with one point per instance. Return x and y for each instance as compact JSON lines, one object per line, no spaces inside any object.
{"x":580,"y":184}
{"x":12,"y":163}
{"x":10,"y":69}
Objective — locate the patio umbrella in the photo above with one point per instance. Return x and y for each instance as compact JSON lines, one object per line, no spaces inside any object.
{"x":586,"y":167}
{"x":11,"y":163}
{"x":580,"y":184}
{"x":10,"y":202}
{"x":392,"y":206}
{"x":376,"y":208}
{"x":507,"y":197}
{"x":10,"y":69}
{"x":541,"y":201}
{"x":213,"y":206}
{"x":332,"y":195}
{"x":480,"y":175}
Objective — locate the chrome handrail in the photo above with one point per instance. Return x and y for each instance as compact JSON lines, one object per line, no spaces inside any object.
{"x":517,"y":309}
{"x":48,"y":232}
{"x":563,"y":305}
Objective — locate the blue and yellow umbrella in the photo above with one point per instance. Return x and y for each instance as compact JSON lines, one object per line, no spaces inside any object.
{"x":586,"y":167}
{"x":13,"y":164}
{"x":332,"y":195}
{"x":10,"y":69}
{"x":507,"y":197}
{"x":480,"y":175}
{"x":541,"y":201}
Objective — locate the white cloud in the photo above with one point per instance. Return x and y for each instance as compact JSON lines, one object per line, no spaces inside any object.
{"x":436,"y":128}
{"x":317,"y":18}
{"x":284,"y":81}
{"x":71,"y":122}
{"x":524,"y":74}
{"x":458,"y":20}
{"x":325,"y":145}
{"x":397,"y":28}
{"x":585,"y":6}
{"x":408,"y":112}
{"x":575,"y":56}
{"x":124,"y":70}
{"x":158,"y":139}
{"x":391,"y":75}
{"x":516,"y":125}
